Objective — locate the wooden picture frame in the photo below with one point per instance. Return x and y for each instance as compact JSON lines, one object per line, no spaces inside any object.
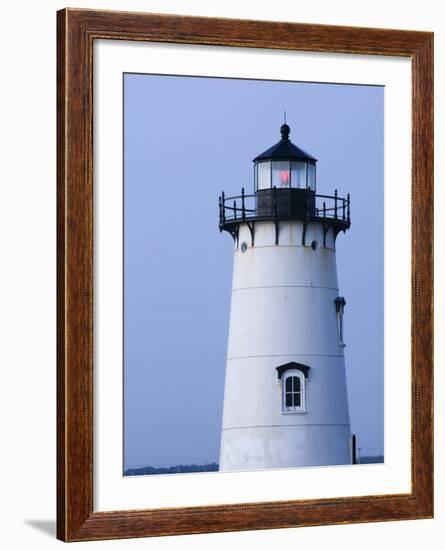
{"x":77,"y":31}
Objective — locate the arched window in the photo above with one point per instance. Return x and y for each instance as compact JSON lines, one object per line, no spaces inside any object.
{"x":292,"y":377}
{"x":293,"y":391}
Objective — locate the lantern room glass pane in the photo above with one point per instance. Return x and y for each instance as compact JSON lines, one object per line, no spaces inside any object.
{"x":263,"y":175}
{"x":298,"y":175}
{"x":281,"y":174}
{"x":311,"y":177}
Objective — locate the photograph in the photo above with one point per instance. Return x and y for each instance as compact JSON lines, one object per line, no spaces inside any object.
{"x":253,"y":269}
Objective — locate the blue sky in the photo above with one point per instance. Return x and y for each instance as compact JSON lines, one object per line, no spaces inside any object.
{"x":185,"y":140}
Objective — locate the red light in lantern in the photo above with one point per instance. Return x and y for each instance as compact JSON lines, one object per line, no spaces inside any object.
{"x":284,"y":178}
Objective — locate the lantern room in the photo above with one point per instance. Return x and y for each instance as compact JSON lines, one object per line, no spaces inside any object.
{"x":285,"y":166}
{"x":285,"y":180}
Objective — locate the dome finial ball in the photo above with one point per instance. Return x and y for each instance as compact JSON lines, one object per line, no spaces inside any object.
{"x":285,"y":131}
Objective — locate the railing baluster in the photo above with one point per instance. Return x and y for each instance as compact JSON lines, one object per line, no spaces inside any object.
{"x":234,"y":208}
{"x":223,"y":199}
{"x":344,"y":209}
{"x":349,"y":211}
{"x":242,"y":204}
{"x":335,"y":200}
{"x":275,"y":219}
{"x":324,"y":209}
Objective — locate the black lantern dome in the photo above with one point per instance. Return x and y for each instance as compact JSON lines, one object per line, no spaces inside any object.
{"x":285,"y":149}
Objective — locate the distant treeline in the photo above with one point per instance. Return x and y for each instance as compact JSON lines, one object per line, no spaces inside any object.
{"x":213,"y":467}
{"x":371,"y":459}
{"x":178,"y":469}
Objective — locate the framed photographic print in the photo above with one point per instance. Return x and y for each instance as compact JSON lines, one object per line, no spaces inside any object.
{"x":245,"y":228}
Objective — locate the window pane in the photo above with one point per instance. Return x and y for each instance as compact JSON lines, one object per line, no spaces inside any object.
{"x":288,"y":400}
{"x":297,"y":383}
{"x":280,"y":174}
{"x":263,"y":174}
{"x":297,"y":399}
{"x":289,"y":387}
{"x":298,"y":175}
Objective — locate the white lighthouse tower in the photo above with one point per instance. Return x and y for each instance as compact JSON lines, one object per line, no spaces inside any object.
{"x":285,"y":398}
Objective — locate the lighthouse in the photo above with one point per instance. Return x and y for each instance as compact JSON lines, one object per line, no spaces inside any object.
{"x":285,"y":395}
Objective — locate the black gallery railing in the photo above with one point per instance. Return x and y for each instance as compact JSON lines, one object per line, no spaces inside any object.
{"x":236,"y":209}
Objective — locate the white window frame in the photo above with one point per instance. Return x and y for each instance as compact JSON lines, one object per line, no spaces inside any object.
{"x":302,"y":407}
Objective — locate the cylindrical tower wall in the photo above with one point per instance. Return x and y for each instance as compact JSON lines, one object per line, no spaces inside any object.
{"x":283,"y":310}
